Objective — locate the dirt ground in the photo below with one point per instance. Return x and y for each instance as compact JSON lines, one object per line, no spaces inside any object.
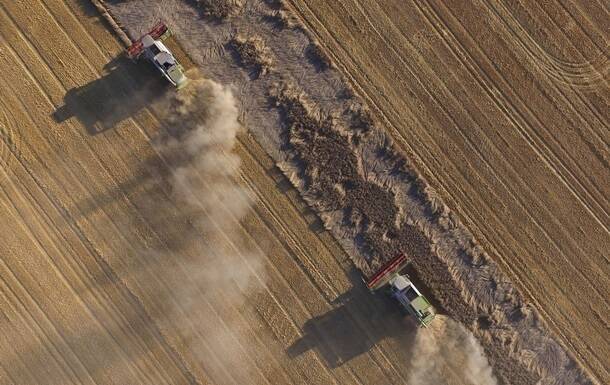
{"x":133,"y":257}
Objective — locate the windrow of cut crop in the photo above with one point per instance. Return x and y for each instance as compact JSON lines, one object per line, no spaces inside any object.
{"x":365,"y":190}
{"x":253,"y":53}
{"x":221,"y":9}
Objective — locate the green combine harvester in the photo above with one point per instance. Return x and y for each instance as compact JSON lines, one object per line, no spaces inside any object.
{"x":402,"y":289}
{"x":151,"y":47}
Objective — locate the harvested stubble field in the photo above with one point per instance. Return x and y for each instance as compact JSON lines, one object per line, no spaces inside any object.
{"x":139,"y":250}
{"x":133,"y":252}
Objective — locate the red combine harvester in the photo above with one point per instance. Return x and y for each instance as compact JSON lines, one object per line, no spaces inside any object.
{"x":152,"y":48}
{"x":402,"y":289}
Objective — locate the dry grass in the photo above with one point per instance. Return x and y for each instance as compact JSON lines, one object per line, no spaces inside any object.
{"x":280,"y":15}
{"x":326,"y":157}
{"x":331,"y":180}
{"x":281,"y":18}
{"x":316,"y":54}
{"x":221,"y":9}
{"x":253,"y":53}
{"x":327,"y":160}
{"x":361,"y":117}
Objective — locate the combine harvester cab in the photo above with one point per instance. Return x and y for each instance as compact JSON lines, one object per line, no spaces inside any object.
{"x":152,"y":48}
{"x":402,"y":289}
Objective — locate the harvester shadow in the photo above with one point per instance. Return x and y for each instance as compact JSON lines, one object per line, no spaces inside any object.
{"x":124,"y":89}
{"x":357,"y":322}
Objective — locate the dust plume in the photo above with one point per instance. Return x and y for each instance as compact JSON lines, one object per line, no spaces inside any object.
{"x":203,"y":121}
{"x":217,"y":273}
{"x":447,"y":353}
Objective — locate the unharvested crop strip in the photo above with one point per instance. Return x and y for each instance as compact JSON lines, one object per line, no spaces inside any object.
{"x":112,"y":22}
{"x":142,"y":130}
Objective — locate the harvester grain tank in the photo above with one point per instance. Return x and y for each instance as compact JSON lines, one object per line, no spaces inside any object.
{"x":400,"y":287}
{"x":151,"y":47}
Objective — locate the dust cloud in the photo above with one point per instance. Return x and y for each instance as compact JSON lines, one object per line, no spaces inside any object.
{"x":447,"y":353}
{"x":218,"y":272}
{"x":203,"y":120}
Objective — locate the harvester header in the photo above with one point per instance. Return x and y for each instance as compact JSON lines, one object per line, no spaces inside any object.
{"x":386,"y":272}
{"x":158,"y":32}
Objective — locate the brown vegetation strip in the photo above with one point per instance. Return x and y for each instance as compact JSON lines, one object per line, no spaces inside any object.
{"x":253,"y":53}
{"x":221,"y":9}
{"x":112,"y":22}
